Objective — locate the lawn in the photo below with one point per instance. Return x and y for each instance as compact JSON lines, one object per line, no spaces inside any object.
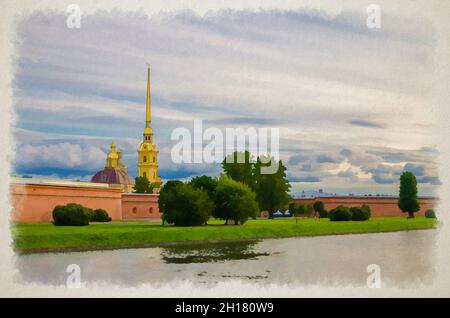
{"x":45,"y":237}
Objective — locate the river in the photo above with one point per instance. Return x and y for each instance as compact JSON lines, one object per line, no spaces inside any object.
{"x":404,"y":259}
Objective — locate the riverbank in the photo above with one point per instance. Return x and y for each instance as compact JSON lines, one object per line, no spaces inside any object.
{"x":45,"y":237}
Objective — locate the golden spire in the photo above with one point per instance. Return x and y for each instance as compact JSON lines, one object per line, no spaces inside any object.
{"x":147,"y":114}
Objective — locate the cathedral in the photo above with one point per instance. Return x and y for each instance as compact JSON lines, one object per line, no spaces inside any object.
{"x":116,"y":172}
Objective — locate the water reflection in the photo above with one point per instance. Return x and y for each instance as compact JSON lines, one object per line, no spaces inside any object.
{"x":405,"y":258}
{"x":210,"y":252}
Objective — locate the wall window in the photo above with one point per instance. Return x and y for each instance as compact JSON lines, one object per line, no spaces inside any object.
{"x":154,"y":159}
{"x":145,"y":174}
{"x":134,"y":210}
{"x":145,"y":158}
{"x":150,"y":210}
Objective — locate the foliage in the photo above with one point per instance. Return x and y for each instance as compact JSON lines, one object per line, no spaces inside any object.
{"x":206,"y":183}
{"x":303,"y":209}
{"x":272,"y":190}
{"x":142,"y":185}
{"x":319,"y":208}
{"x":407,"y":201}
{"x":430,"y":214}
{"x":360,"y":213}
{"x":71,"y":214}
{"x":292,"y":208}
{"x":184,"y":205}
{"x":100,"y":215}
{"x":234,"y":201}
{"x":239,"y":166}
{"x":324,"y":214}
{"x":167,"y":200}
{"x":340,"y":213}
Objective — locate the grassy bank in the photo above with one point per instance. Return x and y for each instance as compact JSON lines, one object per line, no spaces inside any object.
{"x":45,"y":237}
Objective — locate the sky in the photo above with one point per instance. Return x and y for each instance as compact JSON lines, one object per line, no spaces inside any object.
{"x":352,"y":104}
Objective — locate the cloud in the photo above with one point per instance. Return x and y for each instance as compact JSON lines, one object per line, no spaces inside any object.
{"x":365,"y":123}
{"x":304,"y":72}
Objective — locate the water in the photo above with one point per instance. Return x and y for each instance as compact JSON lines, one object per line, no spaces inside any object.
{"x":405,"y":259}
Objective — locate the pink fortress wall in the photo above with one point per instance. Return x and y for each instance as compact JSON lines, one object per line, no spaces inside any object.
{"x":136,"y":206}
{"x":35,"y":202}
{"x":380,"y":206}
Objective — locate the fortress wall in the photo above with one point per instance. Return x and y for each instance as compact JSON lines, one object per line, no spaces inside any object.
{"x":35,"y":203}
{"x":136,"y":206}
{"x":380,"y":206}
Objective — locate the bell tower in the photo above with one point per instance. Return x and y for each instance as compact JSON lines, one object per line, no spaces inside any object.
{"x":147,"y":152}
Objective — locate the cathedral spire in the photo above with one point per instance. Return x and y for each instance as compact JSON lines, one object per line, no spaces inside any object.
{"x":147,"y":113}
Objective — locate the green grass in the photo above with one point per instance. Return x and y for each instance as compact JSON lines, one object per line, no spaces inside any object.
{"x":44,"y":237}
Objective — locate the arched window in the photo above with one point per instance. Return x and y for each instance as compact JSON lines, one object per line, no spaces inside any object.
{"x":150,"y":210}
{"x":134,"y":210}
{"x":154,"y":159}
{"x":145,"y":158}
{"x":145,"y":174}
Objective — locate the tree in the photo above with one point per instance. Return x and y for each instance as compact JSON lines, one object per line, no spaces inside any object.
{"x":142,"y":185}
{"x":234,"y":201}
{"x":239,"y":166}
{"x":272,"y":190}
{"x":319,"y":208}
{"x":183,"y":205}
{"x":407,"y":200}
{"x":167,"y":200}
{"x":206,"y":183}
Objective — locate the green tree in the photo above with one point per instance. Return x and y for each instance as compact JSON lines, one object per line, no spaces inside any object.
{"x":234,"y":201}
{"x":142,"y":185}
{"x":167,"y":200}
{"x":206,"y":183}
{"x":272,"y":190}
{"x":407,"y":200}
{"x":319,"y":208}
{"x":239,"y":166}
{"x":184,"y":205}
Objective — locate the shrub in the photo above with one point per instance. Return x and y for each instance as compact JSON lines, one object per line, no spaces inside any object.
{"x":70,"y":214}
{"x":430,"y":214}
{"x":359,"y":213}
{"x":323,"y":214}
{"x":100,"y":215}
{"x":340,"y":213}
{"x":367,"y":209}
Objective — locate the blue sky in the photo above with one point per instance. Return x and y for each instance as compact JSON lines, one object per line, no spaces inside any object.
{"x":352,"y":104}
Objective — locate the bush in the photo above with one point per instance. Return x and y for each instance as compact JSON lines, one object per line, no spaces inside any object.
{"x":340,"y":213}
{"x":323,"y":214}
{"x":367,"y":209}
{"x":70,"y":214}
{"x":100,"y":215}
{"x":360,"y":213}
{"x":430,"y":214}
